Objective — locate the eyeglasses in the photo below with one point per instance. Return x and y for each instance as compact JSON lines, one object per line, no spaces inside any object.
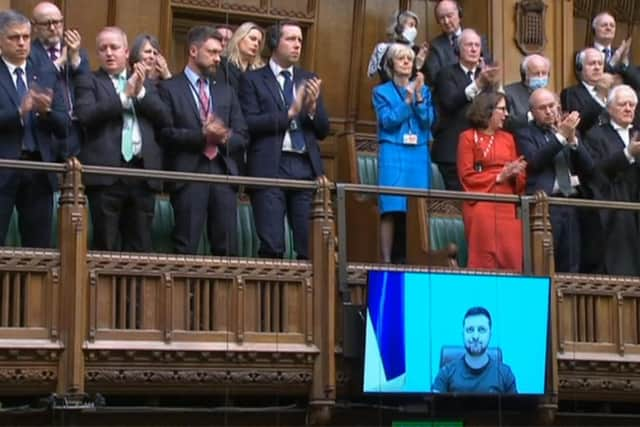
{"x":50,"y":22}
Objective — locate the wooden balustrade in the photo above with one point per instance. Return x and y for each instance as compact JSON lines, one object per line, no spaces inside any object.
{"x":75,"y":321}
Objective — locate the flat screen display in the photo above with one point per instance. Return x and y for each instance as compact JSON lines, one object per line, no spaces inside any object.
{"x":429,"y":332}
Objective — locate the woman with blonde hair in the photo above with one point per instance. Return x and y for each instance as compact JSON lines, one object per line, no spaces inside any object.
{"x":242,"y":53}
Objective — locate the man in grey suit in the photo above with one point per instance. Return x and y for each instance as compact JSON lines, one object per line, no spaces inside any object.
{"x":534,"y":73}
{"x":443,"y":50}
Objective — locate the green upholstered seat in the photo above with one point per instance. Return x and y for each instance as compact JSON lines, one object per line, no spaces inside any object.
{"x":443,"y":229}
{"x":163,"y":223}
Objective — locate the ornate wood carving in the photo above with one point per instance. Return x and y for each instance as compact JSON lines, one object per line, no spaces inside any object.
{"x":262,"y":8}
{"x":184,"y":376}
{"x":530,"y":25}
{"x":28,"y":376}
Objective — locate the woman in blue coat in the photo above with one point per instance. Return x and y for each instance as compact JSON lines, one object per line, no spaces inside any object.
{"x":405,"y":113}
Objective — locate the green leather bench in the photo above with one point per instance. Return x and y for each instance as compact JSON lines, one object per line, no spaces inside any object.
{"x":163,"y":223}
{"x":443,"y":229}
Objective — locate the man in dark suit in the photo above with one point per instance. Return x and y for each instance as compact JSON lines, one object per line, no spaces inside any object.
{"x":534,"y":74}
{"x":443,"y":49}
{"x":119,"y":111}
{"x":585,"y":96}
{"x":31,"y":111}
{"x":205,"y":129}
{"x":557,"y":164}
{"x":615,"y":149}
{"x":59,"y":52}
{"x":455,"y":89}
{"x":286,"y":118}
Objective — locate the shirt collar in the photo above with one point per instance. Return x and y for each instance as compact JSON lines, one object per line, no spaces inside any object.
{"x":12,"y":67}
{"x":276,"y":69}
{"x":589,"y":87}
{"x":466,"y":70}
{"x":601,"y":47}
{"x":619,"y":128}
{"x":193,"y":77}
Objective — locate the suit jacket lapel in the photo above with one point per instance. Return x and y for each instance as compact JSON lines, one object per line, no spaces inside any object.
{"x":189,"y":95}
{"x":7,"y":82}
{"x":615,"y":136}
{"x":105,"y":80}
{"x":273,"y":86}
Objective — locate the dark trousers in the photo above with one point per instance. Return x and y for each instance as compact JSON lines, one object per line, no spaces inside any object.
{"x":122,"y":216}
{"x":30,"y":192}
{"x":449,"y":173}
{"x":270,"y":205}
{"x":195,"y":204}
{"x":566,"y":238}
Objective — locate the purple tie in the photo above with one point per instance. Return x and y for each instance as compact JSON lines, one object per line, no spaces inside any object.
{"x":53,"y":54}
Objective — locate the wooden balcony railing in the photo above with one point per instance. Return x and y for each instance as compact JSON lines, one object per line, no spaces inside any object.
{"x":74,"y":321}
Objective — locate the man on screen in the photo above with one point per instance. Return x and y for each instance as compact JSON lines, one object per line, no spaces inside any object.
{"x":476,"y":371}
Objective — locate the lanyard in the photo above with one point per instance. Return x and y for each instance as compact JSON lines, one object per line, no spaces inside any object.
{"x":196,"y":92}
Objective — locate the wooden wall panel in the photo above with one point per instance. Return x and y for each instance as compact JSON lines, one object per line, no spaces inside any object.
{"x":136,"y":17}
{"x":24,"y":6}
{"x":88,"y":20}
{"x":332,"y":60}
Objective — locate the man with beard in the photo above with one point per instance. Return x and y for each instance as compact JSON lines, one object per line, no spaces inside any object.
{"x":205,"y":129}
{"x":286,"y":118}
{"x":476,"y":371}
{"x":59,"y":52}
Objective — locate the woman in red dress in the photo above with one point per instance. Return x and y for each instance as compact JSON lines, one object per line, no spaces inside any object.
{"x":488,"y":162}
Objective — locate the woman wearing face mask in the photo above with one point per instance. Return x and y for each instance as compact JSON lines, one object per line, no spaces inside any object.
{"x":403,"y":29}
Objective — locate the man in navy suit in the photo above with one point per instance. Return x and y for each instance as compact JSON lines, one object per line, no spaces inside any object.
{"x":286,"y":118}
{"x":557,"y":164}
{"x":584,"y":96}
{"x":443,"y":49}
{"x":119,"y":111}
{"x":31,"y":111}
{"x":59,"y":52}
{"x":455,"y":89}
{"x":205,"y":130}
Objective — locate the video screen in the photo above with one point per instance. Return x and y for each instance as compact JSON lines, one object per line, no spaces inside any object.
{"x":430,"y":332}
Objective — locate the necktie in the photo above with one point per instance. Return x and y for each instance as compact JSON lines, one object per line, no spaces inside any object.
{"x":53,"y":53}
{"x":28,"y":140}
{"x":470,"y":75}
{"x":127,"y":124}
{"x":607,"y":55}
{"x":563,"y":175}
{"x":210,"y":147}
{"x":454,"y":45}
{"x":297,"y":137}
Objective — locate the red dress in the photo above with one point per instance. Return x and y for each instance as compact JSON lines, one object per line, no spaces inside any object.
{"x":494,"y":233}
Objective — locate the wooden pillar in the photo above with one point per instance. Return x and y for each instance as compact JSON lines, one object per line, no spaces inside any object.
{"x":323,"y":391}
{"x":72,"y":232}
{"x":543,"y":265}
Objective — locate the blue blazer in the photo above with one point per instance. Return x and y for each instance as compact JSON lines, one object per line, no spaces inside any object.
{"x":396,"y":118}
{"x":267,"y":119}
{"x":540,"y":151}
{"x":44,"y":126}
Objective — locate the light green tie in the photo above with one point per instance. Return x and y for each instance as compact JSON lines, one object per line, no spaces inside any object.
{"x":128,"y":120}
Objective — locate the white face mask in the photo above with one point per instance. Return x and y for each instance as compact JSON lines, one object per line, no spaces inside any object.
{"x":410,"y":34}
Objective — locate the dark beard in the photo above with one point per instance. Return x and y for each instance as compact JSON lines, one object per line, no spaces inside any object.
{"x":473,"y":352}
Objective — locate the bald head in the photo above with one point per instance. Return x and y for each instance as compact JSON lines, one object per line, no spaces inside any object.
{"x":48,"y":24}
{"x":544,"y":107}
{"x":470,"y":45}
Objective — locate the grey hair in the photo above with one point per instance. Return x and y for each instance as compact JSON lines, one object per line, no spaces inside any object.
{"x":596,"y":18}
{"x":10,"y":17}
{"x":465,"y":32}
{"x":583,"y":53}
{"x":529,"y":58}
{"x":400,"y":18}
{"x":613,"y":93}
{"x":394,"y":51}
